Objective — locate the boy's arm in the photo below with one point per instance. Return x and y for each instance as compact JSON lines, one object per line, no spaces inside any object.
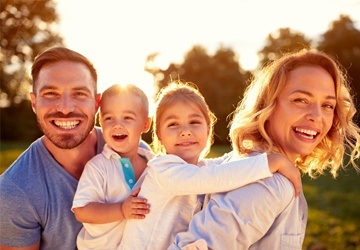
{"x":99,"y":213}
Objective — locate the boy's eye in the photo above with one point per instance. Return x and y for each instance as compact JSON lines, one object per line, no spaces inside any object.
{"x":128,"y":118}
{"x":172,"y":124}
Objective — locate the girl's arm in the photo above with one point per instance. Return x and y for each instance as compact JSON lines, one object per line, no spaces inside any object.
{"x":177,"y":177}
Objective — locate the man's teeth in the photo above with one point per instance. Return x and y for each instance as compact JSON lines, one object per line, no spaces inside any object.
{"x":66,"y":125}
{"x":310,"y":134}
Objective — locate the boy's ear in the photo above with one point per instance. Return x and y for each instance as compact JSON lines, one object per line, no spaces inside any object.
{"x":147,"y":125}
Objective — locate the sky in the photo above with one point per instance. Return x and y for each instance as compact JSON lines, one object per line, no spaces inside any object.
{"x":118,"y":35}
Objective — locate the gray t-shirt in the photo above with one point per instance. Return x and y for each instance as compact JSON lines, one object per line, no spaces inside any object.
{"x":36,"y":195}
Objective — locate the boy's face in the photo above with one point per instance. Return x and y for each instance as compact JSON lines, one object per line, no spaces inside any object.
{"x":123,"y":120}
{"x":183,"y":131}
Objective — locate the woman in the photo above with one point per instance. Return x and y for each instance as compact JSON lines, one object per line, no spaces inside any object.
{"x":299,"y":106}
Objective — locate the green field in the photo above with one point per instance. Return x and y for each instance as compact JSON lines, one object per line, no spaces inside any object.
{"x":334,"y":205}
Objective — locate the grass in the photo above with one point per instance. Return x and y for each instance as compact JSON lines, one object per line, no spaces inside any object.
{"x":334,"y":204}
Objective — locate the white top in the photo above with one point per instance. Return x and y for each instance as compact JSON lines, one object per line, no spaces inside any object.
{"x":103,"y":180}
{"x":172,"y":187}
{"x":261,"y":215}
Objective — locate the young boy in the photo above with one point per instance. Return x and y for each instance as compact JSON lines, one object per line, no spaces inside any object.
{"x":107,"y":190}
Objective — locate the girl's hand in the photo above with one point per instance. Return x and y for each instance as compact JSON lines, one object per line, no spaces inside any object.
{"x":279,"y":163}
{"x":134,"y":207}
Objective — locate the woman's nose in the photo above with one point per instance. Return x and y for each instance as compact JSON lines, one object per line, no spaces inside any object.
{"x":314,"y":113}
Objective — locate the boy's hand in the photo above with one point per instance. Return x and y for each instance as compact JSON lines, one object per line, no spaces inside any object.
{"x":280,"y":163}
{"x":134,"y":207}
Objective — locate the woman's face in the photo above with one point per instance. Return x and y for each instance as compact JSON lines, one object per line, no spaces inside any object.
{"x":304,"y":111}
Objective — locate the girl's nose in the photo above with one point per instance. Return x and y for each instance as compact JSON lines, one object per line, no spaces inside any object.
{"x":185,"y":131}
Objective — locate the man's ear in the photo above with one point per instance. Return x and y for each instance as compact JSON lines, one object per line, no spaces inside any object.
{"x":33,"y":101}
{"x":97,"y":101}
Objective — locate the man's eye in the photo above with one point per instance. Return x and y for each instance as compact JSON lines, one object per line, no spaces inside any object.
{"x":49,"y":94}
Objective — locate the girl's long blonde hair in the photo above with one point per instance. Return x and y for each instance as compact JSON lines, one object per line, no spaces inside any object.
{"x":247,"y":129}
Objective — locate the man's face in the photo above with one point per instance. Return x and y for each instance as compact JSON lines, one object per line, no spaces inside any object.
{"x":65,"y":103}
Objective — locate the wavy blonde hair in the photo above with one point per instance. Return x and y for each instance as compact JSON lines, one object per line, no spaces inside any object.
{"x":173,"y":93}
{"x":247,"y":129}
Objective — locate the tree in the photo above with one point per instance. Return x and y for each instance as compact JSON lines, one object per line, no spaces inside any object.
{"x":27,"y":26}
{"x":282,"y":41}
{"x":219,"y":78}
{"x":342,"y":41}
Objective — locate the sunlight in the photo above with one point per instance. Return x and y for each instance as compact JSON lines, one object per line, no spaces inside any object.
{"x":118,"y":36}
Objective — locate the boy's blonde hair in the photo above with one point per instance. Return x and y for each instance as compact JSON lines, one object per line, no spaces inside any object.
{"x":175,"y":92}
{"x":247,"y":129}
{"x":117,"y":89}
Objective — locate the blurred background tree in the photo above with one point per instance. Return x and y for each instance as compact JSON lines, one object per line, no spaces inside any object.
{"x":219,"y":78}
{"x":342,"y":41}
{"x":27,"y":26}
{"x":222,"y":81}
{"x":279,"y":42}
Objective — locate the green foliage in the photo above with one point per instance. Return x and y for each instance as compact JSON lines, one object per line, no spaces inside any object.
{"x":10,"y":150}
{"x":218,"y":77}
{"x":27,"y":26}
{"x":279,"y":42}
{"x":18,"y":122}
{"x":342,"y":41}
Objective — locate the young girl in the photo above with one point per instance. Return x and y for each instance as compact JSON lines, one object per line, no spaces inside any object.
{"x":183,"y":129}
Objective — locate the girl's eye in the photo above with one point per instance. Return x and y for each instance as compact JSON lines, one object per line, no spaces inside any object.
{"x":128,"y":118}
{"x":195,"y":122}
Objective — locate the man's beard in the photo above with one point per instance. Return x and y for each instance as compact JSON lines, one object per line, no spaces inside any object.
{"x":66,"y":140}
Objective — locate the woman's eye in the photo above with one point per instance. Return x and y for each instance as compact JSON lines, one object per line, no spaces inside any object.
{"x":300,"y":100}
{"x":329,"y":106}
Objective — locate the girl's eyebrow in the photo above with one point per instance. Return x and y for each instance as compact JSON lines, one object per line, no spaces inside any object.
{"x":331,"y":97}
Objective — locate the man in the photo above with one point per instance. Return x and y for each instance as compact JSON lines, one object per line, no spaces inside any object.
{"x":37,"y":191}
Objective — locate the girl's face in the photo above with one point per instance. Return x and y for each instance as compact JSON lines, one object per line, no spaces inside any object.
{"x":123,"y":120}
{"x":304,"y":111}
{"x":183,"y":131}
